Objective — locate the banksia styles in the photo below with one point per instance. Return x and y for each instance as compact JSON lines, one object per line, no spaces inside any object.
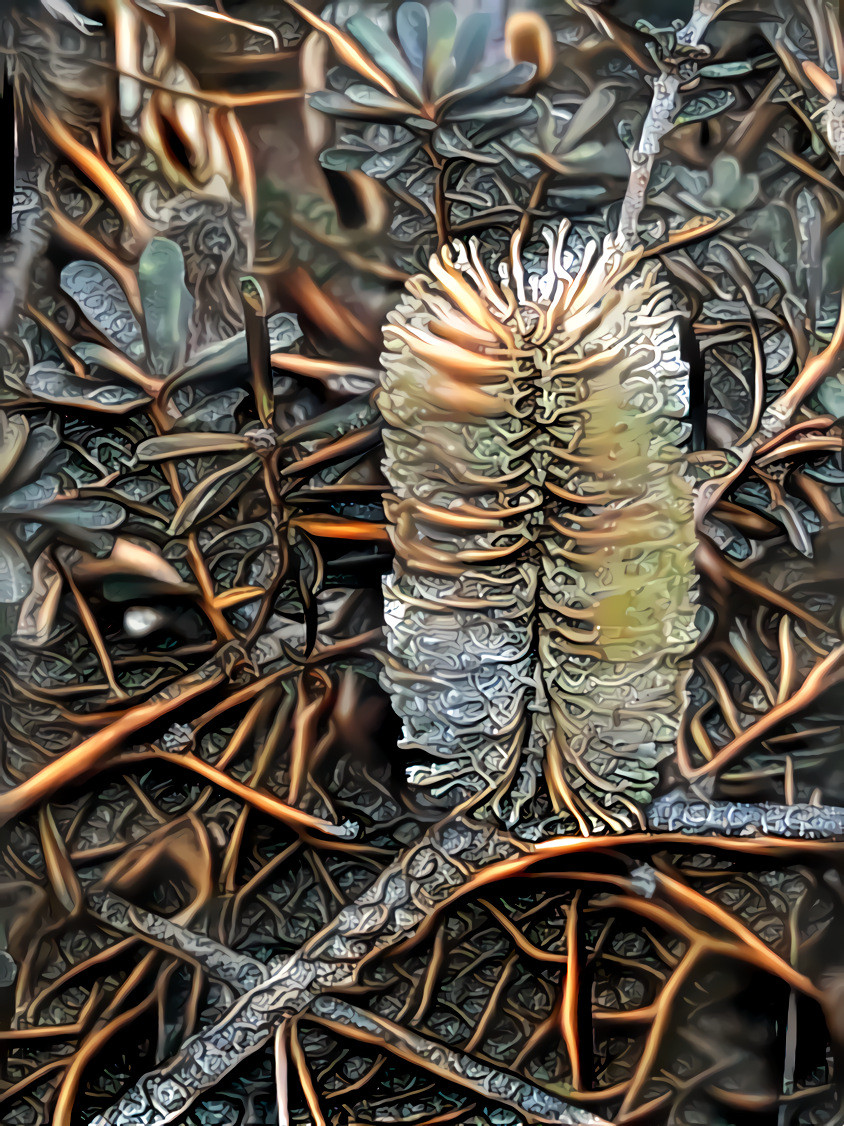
{"x":540,"y":614}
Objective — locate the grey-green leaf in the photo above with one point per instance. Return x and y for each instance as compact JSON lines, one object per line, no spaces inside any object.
{"x":706,"y":105}
{"x":831,"y":396}
{"x":412,"y":31}
{"x":384,"y":53}
{"x":365,"y":95}
{"x":227,"y":356}
{"x":490,"y":83}
{"x":94,"y":513}
{"x":56,"y":385}
{"x":503,"y":108}
{"x":589,"y":114}
{"x":167,"y":304}
{"x":338,"y":105}
{"x":384,"y":164}
{"x":15,"y":572}
{"x":105,"y":305}
{"x":189,"y":445}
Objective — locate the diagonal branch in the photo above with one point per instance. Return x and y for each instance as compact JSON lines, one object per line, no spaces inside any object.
{"x":456,"y":857}
{"x":241,"y":972}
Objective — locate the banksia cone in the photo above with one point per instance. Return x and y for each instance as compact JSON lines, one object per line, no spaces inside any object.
{"x":540,"y":612}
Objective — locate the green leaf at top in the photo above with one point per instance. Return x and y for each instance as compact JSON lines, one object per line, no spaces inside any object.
{"x":467,"y":53}
{"x":412,"y":30}
{"x":384,"y":53}
{"x":442,"y":29}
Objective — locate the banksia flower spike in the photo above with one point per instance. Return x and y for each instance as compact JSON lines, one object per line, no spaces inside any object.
{"x":540,"y":613}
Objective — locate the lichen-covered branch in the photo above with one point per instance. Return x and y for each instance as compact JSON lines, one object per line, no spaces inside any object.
{"x":242,"y":973}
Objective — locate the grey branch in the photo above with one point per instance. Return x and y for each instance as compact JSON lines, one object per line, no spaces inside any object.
{"x":236,"y":970}
{"x":660,"y":119}
{"x":242,"y":972}
{"x":680,"y":812}
{"x":390,"y":910}
{"x":457,"y":1067}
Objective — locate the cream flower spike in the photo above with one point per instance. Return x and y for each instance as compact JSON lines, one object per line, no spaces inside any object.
{"x":540,"y":615}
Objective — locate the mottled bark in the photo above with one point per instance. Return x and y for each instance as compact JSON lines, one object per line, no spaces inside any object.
{"x":684,"y":813}
{"x":241,"y":973}
{"x":451,"y":858}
